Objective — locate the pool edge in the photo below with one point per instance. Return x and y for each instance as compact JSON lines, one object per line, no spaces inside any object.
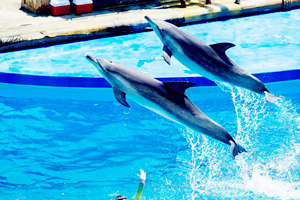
{"x":98,"y":82}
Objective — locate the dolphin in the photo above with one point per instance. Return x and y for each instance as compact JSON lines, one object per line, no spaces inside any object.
{"x":168,"y":99}
{"x":210,"y":61}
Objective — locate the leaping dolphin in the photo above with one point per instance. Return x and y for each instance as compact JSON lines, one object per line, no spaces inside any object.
{"x":210,"y":61}
{"x":165,"y":98}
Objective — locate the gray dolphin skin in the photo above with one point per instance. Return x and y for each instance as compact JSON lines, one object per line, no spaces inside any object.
{"x":168,"y":99}
{"x":210,"y":61}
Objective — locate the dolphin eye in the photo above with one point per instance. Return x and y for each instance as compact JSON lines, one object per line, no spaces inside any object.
{"x":110,"y":61}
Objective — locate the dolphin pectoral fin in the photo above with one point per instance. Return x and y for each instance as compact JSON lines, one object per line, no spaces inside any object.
{"x":120,"y":96}
{"x":167,"y":54}
{"x":270,"y":97}
{"x":179,"y":86}
{"x":222,"y":47}
{"x":235,"y":149}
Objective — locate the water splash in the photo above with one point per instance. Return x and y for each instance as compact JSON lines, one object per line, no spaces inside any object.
{"x":202,"y":163}
{"x":277,"y":125}
{"x":250,"y":109}
{"x":270,"y":169}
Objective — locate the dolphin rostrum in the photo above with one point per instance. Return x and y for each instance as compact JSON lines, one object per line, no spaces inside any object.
{"x":210,"y":61}
{"x":165,"y":98}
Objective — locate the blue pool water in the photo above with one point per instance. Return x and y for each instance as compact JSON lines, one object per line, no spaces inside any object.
{"x":264,"y":43}
{"x":93,"y":150}
{"x":53,"y":148}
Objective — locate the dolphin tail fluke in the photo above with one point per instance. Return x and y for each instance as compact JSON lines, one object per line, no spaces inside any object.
{"x":235,"y":149}
{"x":270,"y":97}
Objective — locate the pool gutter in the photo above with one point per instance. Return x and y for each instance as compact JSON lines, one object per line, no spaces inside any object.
{"x":99,"y":82}
{"x":131,"y":21}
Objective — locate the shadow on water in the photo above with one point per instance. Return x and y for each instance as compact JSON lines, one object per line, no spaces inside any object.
{"x":270,"y":169}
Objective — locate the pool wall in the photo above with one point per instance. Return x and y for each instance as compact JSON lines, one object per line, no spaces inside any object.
{"x":95,"y":89}
{"x":87,"y":82}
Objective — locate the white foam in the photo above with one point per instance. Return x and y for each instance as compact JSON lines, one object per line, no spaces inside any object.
{"x":271,"y":167}
{"x":262,"y":183}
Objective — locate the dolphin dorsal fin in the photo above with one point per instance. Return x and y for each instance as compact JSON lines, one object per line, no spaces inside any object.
{"x":179,"y":86}
{"x":120,"y":96}
{"x":222,"y":47}
{"x":167,"y":54}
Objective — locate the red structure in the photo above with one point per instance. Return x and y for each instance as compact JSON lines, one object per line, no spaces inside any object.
{"x":83,"y":6}
{"x":60,"y":7}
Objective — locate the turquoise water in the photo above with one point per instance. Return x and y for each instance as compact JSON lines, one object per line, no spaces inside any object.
{"x":62,"y":149}
{"x":93,"y":150}
{"x":264,"y":43}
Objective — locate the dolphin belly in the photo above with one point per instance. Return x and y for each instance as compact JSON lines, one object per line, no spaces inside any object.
{"x":153,"y":106}
{"x":196,"y":67}
{"x":233,"y":75}
{"x":187,"y":114}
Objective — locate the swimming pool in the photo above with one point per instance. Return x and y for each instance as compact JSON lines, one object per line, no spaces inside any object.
{"x":56,"y":143}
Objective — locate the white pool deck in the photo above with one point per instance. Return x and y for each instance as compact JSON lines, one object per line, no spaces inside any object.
{"x":20,"y":28}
